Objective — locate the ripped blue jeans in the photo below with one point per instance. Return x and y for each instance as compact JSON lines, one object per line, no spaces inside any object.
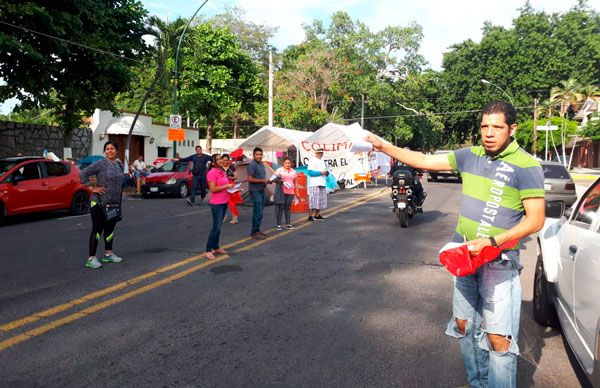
{"x":490,"y":302}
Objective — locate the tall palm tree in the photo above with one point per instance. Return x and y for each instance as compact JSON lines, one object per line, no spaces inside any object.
{"x":567,"y":94}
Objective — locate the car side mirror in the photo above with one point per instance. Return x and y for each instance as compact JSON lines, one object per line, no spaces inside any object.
{"x":555,"y":209}
{"x":17,"y":178}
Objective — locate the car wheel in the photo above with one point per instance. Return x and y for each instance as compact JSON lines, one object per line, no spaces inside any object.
{"x":1,"y":213}
{"x":183,"y":189}
{"x":80,"y":204}
{"x":544,"y":311}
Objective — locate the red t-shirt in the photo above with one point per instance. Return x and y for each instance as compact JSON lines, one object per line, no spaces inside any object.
{"x":218,"y":176}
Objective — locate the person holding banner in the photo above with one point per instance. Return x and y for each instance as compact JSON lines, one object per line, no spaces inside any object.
{"x":501,"y":184}
{"x":317,"y":186}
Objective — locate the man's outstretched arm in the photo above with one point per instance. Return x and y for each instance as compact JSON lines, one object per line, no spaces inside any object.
{"x":415,"y":159}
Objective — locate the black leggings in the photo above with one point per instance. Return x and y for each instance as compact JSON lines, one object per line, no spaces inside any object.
{"x":101,"y":227}
{"x":284,"y":208}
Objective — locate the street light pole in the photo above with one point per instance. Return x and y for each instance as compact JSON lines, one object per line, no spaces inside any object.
{"x":485,"y":81}
{"x":176,"y":83}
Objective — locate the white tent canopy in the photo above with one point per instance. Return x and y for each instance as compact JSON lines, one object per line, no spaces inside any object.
{"x":332,"y":133}
{"x":275,"y":139}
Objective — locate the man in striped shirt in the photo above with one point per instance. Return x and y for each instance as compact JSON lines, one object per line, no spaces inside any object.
{"x":501,"y":184}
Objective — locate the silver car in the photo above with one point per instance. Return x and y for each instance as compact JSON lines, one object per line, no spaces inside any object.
{"x":567,"y":277}
{"x":558,"y":183}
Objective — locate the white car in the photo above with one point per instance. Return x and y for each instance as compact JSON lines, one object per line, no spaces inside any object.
{"x":567,"y":277}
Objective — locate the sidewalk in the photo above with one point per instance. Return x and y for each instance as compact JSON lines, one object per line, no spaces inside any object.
{"x":585,"y":174}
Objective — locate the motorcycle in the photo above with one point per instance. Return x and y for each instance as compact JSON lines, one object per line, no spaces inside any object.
{"x":403,"y":196}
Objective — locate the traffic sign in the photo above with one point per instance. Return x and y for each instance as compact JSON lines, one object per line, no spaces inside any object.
{"x":176,"y":134}
{"x":175,"y":121}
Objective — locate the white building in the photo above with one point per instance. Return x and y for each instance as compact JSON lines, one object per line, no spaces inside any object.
{"x":148,"y":139}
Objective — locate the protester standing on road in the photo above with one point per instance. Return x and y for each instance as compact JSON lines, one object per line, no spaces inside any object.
{"x":200,"y":161}
{"x":501,"y":184}
{"x":218,"y":183}
{"x":285,"y":192}
{"x":257,"y":184}
{"x":235,"y":198}
{"x":106,"y":188}
{"x":317,"y":186}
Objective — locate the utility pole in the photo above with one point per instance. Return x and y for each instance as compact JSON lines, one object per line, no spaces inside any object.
{"x":362,"y":110}
{"x":176,"y":78}
{"x":535,"y":118}
{"x":271,"y":76}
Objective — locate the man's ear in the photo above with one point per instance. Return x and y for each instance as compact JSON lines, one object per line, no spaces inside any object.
{"x":513,"y":129}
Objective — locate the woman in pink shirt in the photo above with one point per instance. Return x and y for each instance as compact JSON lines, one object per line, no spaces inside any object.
{"x":285,"y":191}
{"x":218,"y":183}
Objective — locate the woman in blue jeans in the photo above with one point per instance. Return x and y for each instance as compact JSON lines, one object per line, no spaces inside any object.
{"x":218,"y":183}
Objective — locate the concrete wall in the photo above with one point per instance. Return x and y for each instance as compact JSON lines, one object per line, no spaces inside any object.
{"x":30,"y":140}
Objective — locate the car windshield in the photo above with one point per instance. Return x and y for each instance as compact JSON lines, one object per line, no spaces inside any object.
{"x":555,"y":171}
{"x":6,"y":165}
{"x":172,"y":167}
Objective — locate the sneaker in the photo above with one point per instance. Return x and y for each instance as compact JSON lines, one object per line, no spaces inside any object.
{"x":190,"y":202}
{"x":319,"y":217}
{"x":112,"y":258}
{"x":257,"y":236}
{"x":279,"y":227}
{"x":310,"y":218}
{"x":93,"y":263}
{"x":290,"y":227}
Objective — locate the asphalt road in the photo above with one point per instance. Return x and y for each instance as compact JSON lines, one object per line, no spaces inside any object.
{"x":353,"y":300}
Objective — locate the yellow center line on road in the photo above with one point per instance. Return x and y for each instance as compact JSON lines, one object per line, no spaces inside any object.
{"x":119,"y":286}
{"x":103,"y":305}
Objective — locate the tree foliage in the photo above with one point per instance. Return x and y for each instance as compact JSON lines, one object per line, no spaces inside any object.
{"x":38,"y":62}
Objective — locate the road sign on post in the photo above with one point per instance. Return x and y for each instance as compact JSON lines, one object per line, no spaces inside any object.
{"x":175,"y":131}
{"x":175,"y":121}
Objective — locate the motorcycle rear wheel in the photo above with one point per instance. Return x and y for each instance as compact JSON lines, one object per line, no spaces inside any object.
{"x":403,"y":217}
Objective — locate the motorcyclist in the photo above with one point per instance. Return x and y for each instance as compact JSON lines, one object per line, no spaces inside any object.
{"x":420,"y":194}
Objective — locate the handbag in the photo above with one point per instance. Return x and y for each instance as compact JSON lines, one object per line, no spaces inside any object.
{"x":113,"y":212}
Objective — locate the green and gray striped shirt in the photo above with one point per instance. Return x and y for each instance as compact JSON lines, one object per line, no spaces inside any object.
{"x":493,"y":189}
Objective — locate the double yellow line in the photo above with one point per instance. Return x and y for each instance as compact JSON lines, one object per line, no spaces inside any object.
{"x":12,"y":341}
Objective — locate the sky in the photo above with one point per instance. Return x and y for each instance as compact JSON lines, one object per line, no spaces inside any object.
{"x":444,"y":22}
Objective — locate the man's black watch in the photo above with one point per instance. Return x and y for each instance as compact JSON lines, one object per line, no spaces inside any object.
{"x":493,"y":241}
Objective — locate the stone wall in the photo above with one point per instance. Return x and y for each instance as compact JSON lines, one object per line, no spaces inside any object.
{"x":30,"y":140}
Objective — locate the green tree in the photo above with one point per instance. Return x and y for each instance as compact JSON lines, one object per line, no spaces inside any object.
{"x":566,"y":95}
{"x":83,"y":75}
{"x":216,"y":76}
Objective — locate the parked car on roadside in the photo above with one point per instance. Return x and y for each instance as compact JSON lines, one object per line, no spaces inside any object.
{"x":432,"y":176}
{"x":558,"y":183}
{"x":29,"y":185}
{"x":171,"y":178}
{"x":567,"y":277}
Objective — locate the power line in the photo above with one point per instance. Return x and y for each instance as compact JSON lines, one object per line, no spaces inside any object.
{"x":426,"y":114}
{"x":73,"y":43}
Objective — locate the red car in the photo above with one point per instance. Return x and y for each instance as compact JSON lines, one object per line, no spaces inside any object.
{"x":171,"y":178}
{"x":31,"y":184}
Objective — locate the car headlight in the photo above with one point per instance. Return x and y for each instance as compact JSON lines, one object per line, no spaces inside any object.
{"x":171,"y":181}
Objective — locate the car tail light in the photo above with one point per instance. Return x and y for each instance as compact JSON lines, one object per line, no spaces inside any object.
{"x":570,"y":186}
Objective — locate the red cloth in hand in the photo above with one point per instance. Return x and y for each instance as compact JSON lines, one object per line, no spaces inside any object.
{"x":459,"y":262}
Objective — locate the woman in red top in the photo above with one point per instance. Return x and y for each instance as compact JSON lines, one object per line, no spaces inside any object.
{"x":218,"y":183}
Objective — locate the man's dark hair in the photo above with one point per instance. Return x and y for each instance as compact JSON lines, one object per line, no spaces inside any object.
{"x":198,"y":147}
{"x":257,"y":149}
{"x":509,"y":111}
